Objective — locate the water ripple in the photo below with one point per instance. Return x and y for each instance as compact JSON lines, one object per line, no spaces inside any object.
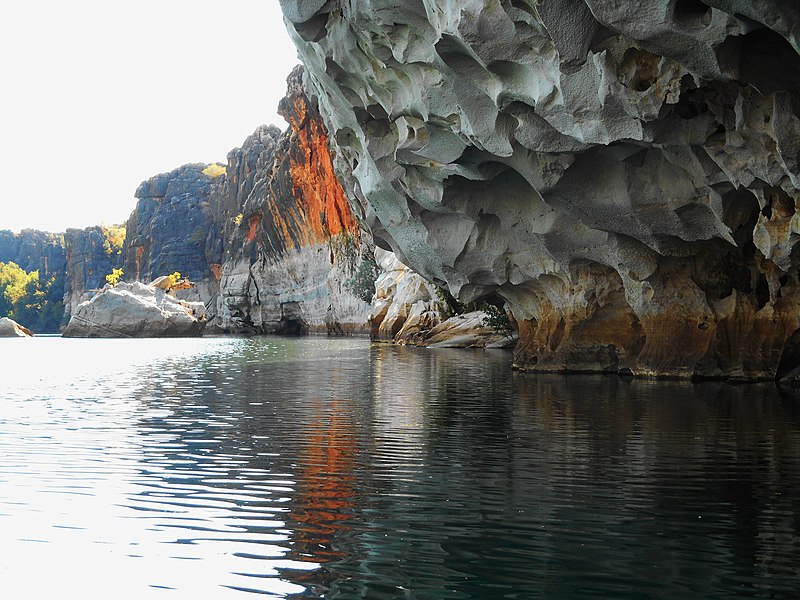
{"x":328,"y":468}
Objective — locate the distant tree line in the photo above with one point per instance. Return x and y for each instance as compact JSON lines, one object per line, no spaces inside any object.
{"x":37,"y":304}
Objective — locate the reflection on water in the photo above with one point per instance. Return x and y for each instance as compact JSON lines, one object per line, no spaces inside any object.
{"x":305,"y":468}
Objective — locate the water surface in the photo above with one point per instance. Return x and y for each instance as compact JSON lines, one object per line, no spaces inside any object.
{"x":308,"y":468}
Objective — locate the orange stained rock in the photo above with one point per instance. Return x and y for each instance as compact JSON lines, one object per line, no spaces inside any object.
{"x":323,"y":208}
{"x":139,"y":254}
{"x":216,"y":270}
{"x":252,"y":226}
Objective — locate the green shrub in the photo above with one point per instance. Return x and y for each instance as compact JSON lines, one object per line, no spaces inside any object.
{"x":497,"y":319}
{"x":362,"y":283}
{"x":24,"y":298}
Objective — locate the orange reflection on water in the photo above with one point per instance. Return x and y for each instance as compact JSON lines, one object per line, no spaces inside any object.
{"x":324,"y":500}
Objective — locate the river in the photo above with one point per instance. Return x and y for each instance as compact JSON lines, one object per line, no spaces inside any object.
{"x":313,"y":467}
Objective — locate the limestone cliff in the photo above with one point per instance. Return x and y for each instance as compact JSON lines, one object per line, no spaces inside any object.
{"x":174,"y":228}
{"x":624,"y":175}
{"x":71,"y":264}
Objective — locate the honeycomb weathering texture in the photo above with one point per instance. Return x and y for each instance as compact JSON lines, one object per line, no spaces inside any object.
{"x":624,"y":174}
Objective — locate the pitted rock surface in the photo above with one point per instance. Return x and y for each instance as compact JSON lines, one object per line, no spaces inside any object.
{"x":625,"y":175}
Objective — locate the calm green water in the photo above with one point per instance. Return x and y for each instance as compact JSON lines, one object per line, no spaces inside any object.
{"x":307,"y":468}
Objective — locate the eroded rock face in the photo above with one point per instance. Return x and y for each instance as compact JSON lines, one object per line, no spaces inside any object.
{"x":404,"y":305}
{"x":405,"y":310}
{"x":173,"y":229}
{"x":269,"y":239}
{"x":136,"y":310}
{"x":34,"y":250}
{"x":288,"y":259}
{"x":624,"y":174}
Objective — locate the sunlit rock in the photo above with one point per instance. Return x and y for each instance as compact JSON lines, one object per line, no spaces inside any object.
{"x":136,"y":310}
{"x":10,"y":328}
{"x":624,"y":175}
{"x":406,"y":310}
{"x":404,"y":302}
{"x":293,"y":250}
{"x":90,"y":257}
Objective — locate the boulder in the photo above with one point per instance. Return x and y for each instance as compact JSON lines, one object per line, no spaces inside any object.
{"x":468,"y":330}
{"x":136,"y":310}
{"x":10,"y":328}
{"x":405,"y":310}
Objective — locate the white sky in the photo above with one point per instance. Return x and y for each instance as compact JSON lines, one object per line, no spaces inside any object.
{"x":98,"y":96}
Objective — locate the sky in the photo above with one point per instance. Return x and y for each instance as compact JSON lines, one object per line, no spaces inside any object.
{"x":98,"y":96}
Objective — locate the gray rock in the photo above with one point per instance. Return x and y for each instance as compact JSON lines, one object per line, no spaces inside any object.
{"x":10,"y":328}
{"x":624,"y":174}
{"x":170,"y":226}
{"x":136,"y":310}
{"x":34,"y":250}
{"x":89,"y":259}
{"x":296,"y":244}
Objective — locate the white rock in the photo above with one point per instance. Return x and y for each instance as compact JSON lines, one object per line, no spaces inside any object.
{"x":136,"y":310}
{"x":10,"y":328}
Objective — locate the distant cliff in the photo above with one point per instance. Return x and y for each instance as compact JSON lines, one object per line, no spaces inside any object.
{"x":34,"y":250}
{"x":91,"y":254}
{"x":268,"y":238}
{"x":296,"y":245}
{"x":39,"y":278}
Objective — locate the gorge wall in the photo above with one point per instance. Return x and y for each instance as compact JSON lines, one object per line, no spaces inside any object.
{"x":90,"y":256}
{"x":269,"y":239}
{"x":71,"y":265}
{"x":34,"y":251}
{"x":624,"y":175}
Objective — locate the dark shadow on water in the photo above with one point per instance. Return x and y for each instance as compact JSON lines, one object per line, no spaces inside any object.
{"x":378,"y":471}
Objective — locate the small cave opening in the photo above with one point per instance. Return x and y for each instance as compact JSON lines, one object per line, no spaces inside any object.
{"x":762,"y":291}
{"x":769,"y":63}
{"x":314,"y":29}
{"x":639,"y":69}
{"x":692,"y":13}
{"x":292,"y":327}
{"x":292,"y":322}
{"x":692,"y":103}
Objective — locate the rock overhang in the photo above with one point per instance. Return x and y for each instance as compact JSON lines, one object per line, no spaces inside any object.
{"x":623,"y":174}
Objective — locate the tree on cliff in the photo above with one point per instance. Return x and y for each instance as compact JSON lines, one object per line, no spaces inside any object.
{"x":24,"y":298}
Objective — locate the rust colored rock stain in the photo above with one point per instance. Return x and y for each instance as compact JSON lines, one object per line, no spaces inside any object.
{"x":252,"y":226}
{"x":322,"y":210}
{"x":216,"y":269}
{"x":139,"y":253}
